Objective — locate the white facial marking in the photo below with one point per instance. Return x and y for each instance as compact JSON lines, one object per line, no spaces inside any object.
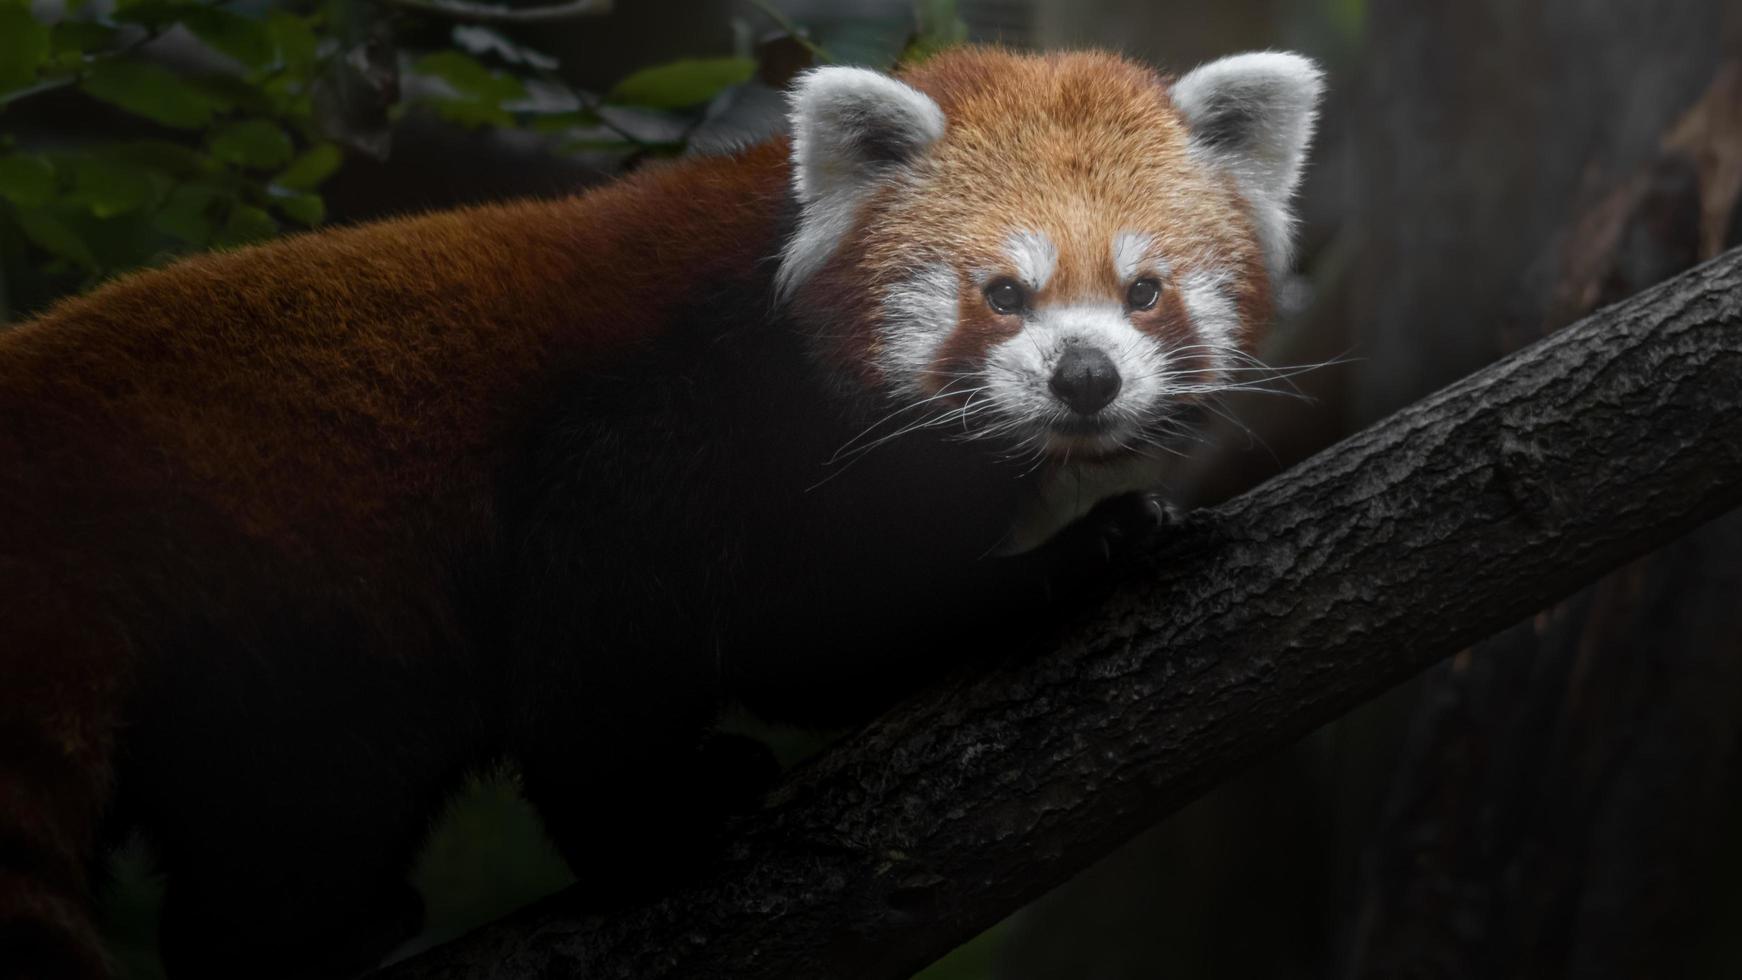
{"x":1019,"y":371}
{"x":1035,"y":257}
{"x":1211,"y":306}
{"x":919,"y":314}
{"x":852,"y":131}
{"x":1216,"y":319}
{"x":1131,"y":251}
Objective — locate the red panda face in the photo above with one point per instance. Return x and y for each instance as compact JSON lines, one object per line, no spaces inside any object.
{"x":1056,"y":252}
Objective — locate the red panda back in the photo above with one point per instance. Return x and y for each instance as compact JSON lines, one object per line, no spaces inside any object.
{"x":320,"y":403}
{"x":365,"y":364}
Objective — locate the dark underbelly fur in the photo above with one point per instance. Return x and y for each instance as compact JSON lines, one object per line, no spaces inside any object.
{"x":672,"y":539}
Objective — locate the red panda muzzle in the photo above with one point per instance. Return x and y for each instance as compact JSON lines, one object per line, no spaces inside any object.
{"x":1085,"y":379}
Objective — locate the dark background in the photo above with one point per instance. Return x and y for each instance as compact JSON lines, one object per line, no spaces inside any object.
{"x":1561,"y":800}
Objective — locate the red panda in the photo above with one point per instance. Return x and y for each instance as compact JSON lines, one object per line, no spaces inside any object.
{"x":296,"y":536}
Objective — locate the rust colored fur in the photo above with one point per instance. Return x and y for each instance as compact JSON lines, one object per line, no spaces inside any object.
{"x":296,"y":536}
{"x":333,"y":410}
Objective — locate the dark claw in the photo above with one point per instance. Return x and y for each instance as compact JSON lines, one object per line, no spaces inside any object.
{"x":1115,"y":531}
{"x":1130,"y":522}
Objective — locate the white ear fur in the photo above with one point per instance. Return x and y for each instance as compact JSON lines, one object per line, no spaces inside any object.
{"x":1252,"y":115}
{"x":850,"y":127}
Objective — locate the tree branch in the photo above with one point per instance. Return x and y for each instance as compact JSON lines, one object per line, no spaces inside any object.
{"x":489,"y":13}
{"x":1256,"y":622}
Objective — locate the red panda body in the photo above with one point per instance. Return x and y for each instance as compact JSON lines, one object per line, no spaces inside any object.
{"x":296,"y":536}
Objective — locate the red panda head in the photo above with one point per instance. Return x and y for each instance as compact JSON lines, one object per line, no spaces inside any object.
{"x":1058,"y":250}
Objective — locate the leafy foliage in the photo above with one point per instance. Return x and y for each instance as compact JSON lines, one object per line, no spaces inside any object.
{"x":216,"y":124}
{"x":182,"y":157}
{"x":681,"y":83}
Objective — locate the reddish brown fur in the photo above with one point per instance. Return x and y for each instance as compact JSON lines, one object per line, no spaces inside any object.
{"x":329,"y":396}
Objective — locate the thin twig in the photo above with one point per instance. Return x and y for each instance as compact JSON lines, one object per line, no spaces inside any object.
{"x":792,"y":30}
{"x":90,"y":58}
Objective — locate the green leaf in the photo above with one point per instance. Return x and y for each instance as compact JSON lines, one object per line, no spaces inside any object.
{"x":27,"y":180}
{"x":246,"y":224}
{"x":61,"y":63}
{"x":54,"y":236}
{"x":149,"y":13}
{"x":24,"y":45}
{"x":294,"y":38}
{"x":151,"y":91}
{"x":558,"y":122}
{"x":80,"y":36}
{"x":480,"y":91}
{"x":681,"y":83}
{"x":190,"y":213}
{"x":247,"y":40}
{"x":470,"y":112}
{"x":939,"y":27}
{"x":119,"y":242}
{"x":161,"y":155}
{"x":299,"y":206}
{"x":252,"y":143}
{"x":939,"y":21}
{"x":231,"y":93}
{"x":290,"y":95}
{"x":307,"y":171}
{"x":111,"y":187}
{"x":470,"y":78}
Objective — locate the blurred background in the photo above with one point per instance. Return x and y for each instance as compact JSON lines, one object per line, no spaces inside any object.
{"x":1562,"y":800}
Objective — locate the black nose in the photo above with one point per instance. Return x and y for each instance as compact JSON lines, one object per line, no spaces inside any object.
{"x":1085,"y":379}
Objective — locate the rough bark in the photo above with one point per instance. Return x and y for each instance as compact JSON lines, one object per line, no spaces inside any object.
{"x":1565,"y":784}
{"x":1253,"y":623}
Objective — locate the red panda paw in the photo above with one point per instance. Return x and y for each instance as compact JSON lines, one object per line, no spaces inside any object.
{"x":1086,"y":556}
{"x":1123,"y":527}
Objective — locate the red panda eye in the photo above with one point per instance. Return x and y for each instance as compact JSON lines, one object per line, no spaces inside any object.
{"x":1005,"y":297}
{"x":1143,"y":294}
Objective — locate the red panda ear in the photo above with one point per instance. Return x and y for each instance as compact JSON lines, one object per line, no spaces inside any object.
{"x":850,"y":128}
{"x":850,"y":123}
{"x":1252,"y":115}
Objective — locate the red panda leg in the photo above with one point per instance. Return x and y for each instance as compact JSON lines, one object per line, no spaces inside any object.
{"x":48,"y":813}
{"x":60,"y":664}
{"x":266,"y":888}
{"x":631,"y":833}
{"x":295,"y":867}
{"x":634,"y":798}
